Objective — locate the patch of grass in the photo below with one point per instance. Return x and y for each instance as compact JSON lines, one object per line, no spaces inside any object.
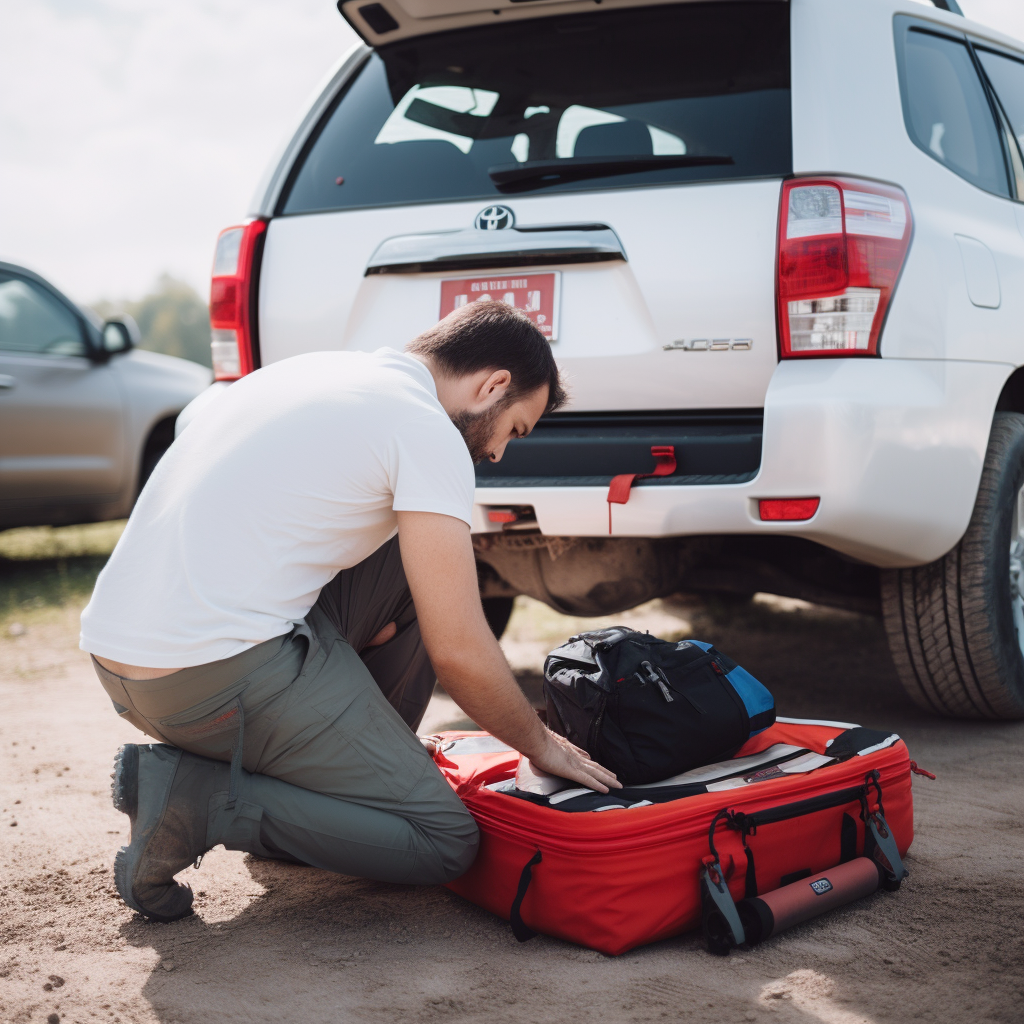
{"x":46,"y":568}
{"x":35,"y":543}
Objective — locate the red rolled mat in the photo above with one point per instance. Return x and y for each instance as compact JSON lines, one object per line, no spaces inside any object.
{"x":775,"y":911}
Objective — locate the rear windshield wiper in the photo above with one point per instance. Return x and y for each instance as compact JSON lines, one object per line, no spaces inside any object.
{"x":543,"y":173}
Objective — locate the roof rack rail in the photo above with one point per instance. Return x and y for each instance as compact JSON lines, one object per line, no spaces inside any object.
{"x":948,"y":5}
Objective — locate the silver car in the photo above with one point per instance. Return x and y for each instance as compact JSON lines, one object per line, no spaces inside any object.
{"x":84,"y":414}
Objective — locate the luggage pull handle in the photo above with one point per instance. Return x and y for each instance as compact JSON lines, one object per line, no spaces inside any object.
{"x":725,"y":930}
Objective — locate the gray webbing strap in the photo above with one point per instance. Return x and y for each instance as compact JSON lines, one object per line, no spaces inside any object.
{"x":885,"y":852}
{"x":714,"y":881}
{"x":885,"y":845}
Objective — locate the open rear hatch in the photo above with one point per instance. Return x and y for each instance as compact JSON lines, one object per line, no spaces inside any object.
{"x":388,"y":21}
{"x":614,"y":173}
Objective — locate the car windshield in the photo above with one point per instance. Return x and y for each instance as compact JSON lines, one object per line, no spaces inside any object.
{"x":655,"y":96}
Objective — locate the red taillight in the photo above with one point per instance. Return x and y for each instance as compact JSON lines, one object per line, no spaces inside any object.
{"x":231,"y":301}
{"x":792,"y":509}
{"x":842,"y":243}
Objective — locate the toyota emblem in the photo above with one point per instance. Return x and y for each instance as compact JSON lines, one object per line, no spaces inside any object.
{"x":495,"y":218}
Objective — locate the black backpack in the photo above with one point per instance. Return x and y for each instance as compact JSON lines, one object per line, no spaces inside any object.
{"x":648,"y":709}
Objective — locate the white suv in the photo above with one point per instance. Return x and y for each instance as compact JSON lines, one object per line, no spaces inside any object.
{"x":779,"y":251}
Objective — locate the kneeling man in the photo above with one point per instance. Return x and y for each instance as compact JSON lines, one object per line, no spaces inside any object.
{"x":261,"y":618}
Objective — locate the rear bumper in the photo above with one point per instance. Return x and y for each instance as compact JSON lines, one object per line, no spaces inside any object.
{"x":893,"y":448}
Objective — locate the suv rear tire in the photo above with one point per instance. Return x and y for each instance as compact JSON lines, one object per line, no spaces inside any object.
{"x":956,"y":626}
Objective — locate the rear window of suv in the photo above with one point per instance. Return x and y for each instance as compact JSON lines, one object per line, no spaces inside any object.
{"x":655,"y":96}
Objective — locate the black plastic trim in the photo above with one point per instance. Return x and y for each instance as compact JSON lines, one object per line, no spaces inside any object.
{"x":254,"y":296}
{"x":378,"y":18}
{"x":588,"y":449}
{"x":690,"y":480}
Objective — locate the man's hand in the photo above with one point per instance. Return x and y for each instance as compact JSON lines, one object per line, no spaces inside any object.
{"x":567,"y":761}
{"x":437,"y":555}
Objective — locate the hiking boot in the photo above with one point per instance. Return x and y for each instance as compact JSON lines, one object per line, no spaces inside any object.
{"x":166,"y":794}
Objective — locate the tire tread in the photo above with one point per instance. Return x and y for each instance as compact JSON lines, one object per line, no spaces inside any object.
{"x":946,"y":622}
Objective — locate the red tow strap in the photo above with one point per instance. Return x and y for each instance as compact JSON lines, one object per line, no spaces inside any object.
{"x":618,"y":489}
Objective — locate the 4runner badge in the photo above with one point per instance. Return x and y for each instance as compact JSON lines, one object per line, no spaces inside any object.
{"x":709,"y":345}
{"x":494,"y":218}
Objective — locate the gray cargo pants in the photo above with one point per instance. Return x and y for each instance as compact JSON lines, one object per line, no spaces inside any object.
{"x":326,"y":769}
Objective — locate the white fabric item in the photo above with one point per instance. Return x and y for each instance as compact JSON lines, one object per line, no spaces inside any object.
{"x":817,"y":721}
{"x":293,"y":474}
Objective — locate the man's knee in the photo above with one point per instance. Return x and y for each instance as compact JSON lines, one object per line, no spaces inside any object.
{"x":457,"y":852}
{"x":453,"y":847}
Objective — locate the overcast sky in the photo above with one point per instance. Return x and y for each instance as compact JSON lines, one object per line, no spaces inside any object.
{"x":132,"y":131}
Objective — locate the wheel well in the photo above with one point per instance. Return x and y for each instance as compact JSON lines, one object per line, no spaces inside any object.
{"x":160,"y":436}
{"x":1011,"y":398}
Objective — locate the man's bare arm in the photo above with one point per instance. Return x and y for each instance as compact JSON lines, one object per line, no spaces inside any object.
{"x":438,"y":558}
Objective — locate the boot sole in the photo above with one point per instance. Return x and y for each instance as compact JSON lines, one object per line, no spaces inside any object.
{"x":124,"y":782}
{"x":124,"y":793}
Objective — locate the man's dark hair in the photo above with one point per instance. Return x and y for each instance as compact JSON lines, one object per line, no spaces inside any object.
{"x":493,"y":336}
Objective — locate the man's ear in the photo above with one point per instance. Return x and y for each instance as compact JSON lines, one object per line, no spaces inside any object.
{"x":493,"y":389}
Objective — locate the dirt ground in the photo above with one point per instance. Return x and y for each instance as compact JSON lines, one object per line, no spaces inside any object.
{"x":275,"y":942}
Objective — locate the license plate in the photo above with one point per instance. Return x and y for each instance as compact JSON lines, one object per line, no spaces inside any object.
{"x":535,"y":294}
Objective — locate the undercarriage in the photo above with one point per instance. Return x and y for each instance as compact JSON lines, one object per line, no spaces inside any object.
{"x":603,"y":576}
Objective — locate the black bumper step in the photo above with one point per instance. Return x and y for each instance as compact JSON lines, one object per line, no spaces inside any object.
{"x":588,"y":449}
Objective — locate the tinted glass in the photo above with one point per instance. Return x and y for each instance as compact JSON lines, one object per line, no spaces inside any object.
{"x":33,"y":321}
{"x":1007,"y":78}
{"x":613,"y":99}
{"x":948,"y":113}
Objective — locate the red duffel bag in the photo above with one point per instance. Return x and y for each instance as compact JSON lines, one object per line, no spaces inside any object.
{"x":617,"y":872}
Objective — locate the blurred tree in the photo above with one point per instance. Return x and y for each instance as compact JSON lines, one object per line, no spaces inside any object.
{"x":172,"y":319}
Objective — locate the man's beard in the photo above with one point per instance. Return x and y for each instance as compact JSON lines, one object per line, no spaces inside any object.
{"x":477,"y":430}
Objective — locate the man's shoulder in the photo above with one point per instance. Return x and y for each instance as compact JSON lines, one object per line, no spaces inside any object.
{"x":384,"y":372}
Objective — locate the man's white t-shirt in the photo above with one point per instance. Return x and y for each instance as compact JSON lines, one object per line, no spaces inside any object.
{"x":293,"y":474}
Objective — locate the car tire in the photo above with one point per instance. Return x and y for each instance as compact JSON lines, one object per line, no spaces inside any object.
{"x":956,"y":626}
{"x":497,"y":612}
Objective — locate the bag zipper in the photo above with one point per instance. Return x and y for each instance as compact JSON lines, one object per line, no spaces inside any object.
{"x":798,"y":808}
{"x":576,"y":844}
